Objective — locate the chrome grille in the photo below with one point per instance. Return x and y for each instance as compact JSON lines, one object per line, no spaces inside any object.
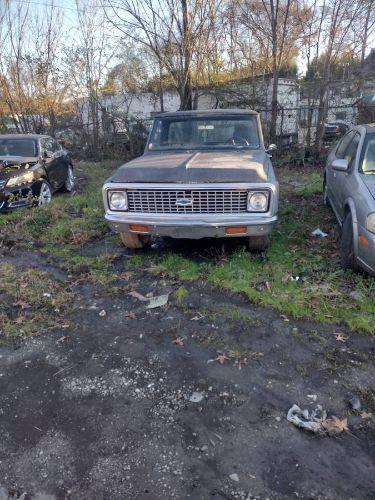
{"x":199,"y":201}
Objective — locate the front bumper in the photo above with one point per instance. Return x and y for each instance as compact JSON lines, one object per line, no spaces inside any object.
{"x":16,"y":197}
{"x":183,"y":227}
{"x":194,"y":225}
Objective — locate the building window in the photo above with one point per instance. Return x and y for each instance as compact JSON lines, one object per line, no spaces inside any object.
{"x":340,"y":115}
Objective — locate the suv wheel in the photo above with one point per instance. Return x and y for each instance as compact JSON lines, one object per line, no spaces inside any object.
{"x":348,"y":259}
{"x":257,"y":243}
{"x":134,"y":241}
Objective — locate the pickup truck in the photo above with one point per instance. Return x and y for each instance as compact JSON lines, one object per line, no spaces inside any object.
{"x":203,"y":174}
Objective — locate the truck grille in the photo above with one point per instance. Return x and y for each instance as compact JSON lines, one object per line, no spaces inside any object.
{"x":187,"y":202}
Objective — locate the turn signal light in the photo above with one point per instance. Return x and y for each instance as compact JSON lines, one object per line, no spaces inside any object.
{"x":236,"y":230}
{"x":138,"y":228}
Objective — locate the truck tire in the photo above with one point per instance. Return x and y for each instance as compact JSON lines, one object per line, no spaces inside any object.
{"x":134,"y":241}
{"x":257,"y":243}
{"x":348,"y":259}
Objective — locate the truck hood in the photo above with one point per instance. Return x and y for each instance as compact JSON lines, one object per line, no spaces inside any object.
{"x":369,"y":181}
{"x":196,"y":167}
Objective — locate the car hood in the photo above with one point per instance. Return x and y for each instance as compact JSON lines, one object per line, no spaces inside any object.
{"x":196,"y":167}
{"x":12,"y":165}
{"x":369,"y":181}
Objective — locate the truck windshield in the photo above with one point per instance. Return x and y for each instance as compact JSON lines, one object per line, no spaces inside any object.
{"x":368,"y":161}
{"x":17,"y":147}
{"x":205,"y":133}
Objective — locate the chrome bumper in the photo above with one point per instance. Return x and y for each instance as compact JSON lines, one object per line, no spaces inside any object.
{"x":181,"y":227}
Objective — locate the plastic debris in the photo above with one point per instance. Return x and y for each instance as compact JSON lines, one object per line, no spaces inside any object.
{"x":311,"y":421}
{"x":355,"y":403}
{"x":159,"y":301}
{"x":318,"y":233}
{"x":234,"y":477}
{"x":102,"y":313}
{"x":196,"y":397}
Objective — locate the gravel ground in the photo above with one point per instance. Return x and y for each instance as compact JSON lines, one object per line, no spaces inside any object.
{"x":114,"y":407}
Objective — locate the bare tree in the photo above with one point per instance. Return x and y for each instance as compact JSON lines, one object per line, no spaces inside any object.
{"x":338,"y":19}
{"x":174,"y":31}
{"x":276,"y":27}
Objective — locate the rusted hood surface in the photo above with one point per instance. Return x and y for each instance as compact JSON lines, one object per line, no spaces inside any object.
{"x":196,"y":167}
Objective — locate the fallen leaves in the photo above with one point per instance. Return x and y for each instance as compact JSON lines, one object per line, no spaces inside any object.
{"x":178,"y":341}
{"x":335,"y":426}
{"x":222,"y":358}
{"x":340,"y":337}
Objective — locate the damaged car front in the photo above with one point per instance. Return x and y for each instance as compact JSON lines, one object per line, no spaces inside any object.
{"x":28,"y":175}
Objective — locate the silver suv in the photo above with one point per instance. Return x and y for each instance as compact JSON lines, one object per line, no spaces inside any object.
{"x":203,"y":174}
{"x":349,"y":188}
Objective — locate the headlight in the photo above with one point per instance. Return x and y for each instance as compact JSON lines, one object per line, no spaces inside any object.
{"x":18,"y":180}
{"x":118,"y":200}
{"x":370,"y":223}
{"x":257,"y":201}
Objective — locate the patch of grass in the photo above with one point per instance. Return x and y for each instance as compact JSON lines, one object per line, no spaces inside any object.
{"x":322,"y":291}
{"x":181,"y":293}
{"x":31,"y":302}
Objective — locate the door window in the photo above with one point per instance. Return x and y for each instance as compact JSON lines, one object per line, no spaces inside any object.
{"x":351,"y":150}
{"x":343,"y":144}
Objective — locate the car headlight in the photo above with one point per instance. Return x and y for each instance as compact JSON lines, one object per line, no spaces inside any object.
{"x":257,"y":201}
{"x":370,"y":222}
{"x":118,"y":200}
{"x":18,"y":180}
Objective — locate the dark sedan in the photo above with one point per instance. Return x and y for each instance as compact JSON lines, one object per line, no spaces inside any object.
{"x":334,"y":131}
{"x":32,"y":168}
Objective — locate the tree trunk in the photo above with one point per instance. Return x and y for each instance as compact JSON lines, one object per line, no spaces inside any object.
{"x":186,"y":91}
{"x":272,"y":129}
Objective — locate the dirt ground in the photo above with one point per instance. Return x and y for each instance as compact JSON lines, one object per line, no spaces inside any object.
{"x":134,"y":403}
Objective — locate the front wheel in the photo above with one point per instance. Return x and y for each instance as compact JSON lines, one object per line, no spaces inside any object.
{"x":348,"y":259}
{"x":257,"y":243}
{"x":134,"y":241}
{"x":45,"y":194}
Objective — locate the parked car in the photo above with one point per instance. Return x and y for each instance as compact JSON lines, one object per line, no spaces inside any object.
{"x":32,"y":168}
{"x":349,"y":188}
{"x":203,"y":174}
{"x":334,"y":131}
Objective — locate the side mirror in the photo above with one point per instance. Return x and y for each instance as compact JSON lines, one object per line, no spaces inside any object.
{"x":271,"y":148}
{"x":341,"y":165}
{"x":47,"y":154}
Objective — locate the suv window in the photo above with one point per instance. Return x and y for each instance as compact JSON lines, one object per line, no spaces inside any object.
{"x":351,"y":150}
{"x":343,"y":144}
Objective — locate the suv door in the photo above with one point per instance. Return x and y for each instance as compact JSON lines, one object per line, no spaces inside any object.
{"x":55,"y":162}
{"x":337,"y":152}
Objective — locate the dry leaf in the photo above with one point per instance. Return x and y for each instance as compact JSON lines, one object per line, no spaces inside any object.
{"x":335,"y":426}
{"x":364,"y":414}
{"x":178,"y":341}
{"x":21,"y":304}
{"x":138,"y":296}
{"x":340,"y":337}
{"x":130,"y":314}
{"x":286,"y":278}
{"x":222,"y":358}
